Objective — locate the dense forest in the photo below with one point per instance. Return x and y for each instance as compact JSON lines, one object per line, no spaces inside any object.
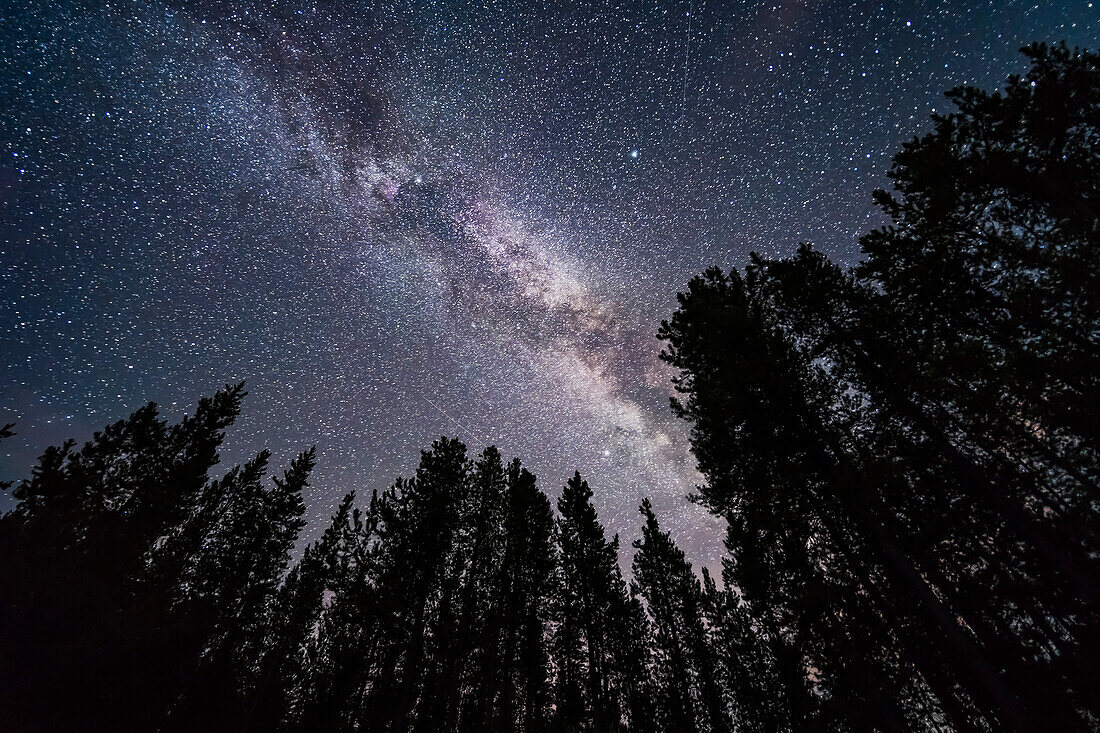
{"x":906,"y":454}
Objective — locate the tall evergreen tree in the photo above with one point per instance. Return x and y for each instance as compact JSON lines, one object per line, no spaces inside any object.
{"x":688,"y":692}
{"x":108,"y":549}
{"x":411,"y":592}
{"x":334,"y":665}
{"x":599,"y":651}
{"x":745,"y":665}
{"x":516,"y":666}
{"x":233,"y":581}
{"x":440,"y":622}
{"x":284,"y":663}
{"x":86,"y":636}
{"x":898,"y":444}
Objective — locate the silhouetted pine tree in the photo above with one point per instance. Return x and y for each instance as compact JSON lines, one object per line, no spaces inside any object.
{"x":910,"y":449}
{"x":85,"y":635}
{"x":499,"y":584}
{"x":965,"y":328}
{"x":517,"y":669}
{"x":438,"y":617}
{"x":599,"y":653}
{"x":687,"y":687}
{"x":228,"y":588}
{"x":464,"y":649}
{"x":284,"y":663}
{"x":745,"y":666}
{"x":378,"y":629}
{"x":992,"y":285}
{"x":116,"y":594}
{"x":335,"y":660}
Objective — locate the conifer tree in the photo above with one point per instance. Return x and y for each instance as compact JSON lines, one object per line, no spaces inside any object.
{"x":129,"y":571}
{"x":745,"y":666}
{"x":688,"y":692}
{"x":599,"y":661}
{"x":447,"y":635}
{"x":233,"y":581}
{"x":516,"y":669}
{"x":86,"y":629}
{"x":284,"y":664}
{"x":895,"y":448}
{"x":335,"y":661}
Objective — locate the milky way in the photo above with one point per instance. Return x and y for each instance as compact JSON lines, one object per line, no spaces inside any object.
{"x":397,"y":221}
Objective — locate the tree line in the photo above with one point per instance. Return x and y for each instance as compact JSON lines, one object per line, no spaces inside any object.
{"x":905,"y":454}
{"x":139,"y":594}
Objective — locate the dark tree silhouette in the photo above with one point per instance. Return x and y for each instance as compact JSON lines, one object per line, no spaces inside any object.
{"x":687,"y":687}
{"x":602,"y":678}
{"x":913,"y":443}
{"x":518,"y":670}
{"x":130,"y":579}
{"x":438,"y":605}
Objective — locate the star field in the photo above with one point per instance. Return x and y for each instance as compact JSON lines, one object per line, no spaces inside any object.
{"x":400,"y":220}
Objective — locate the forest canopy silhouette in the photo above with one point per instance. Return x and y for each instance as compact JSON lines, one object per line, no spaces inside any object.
{"x":906,"y":454}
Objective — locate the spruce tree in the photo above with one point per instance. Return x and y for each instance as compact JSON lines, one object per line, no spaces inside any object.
{"x":908,"y":448}
{"x":284,"y":663}
{"x":686,"y":680}
{"x":599,"y":652}
{"x":335,"y":662}
{"x":131,"y":574}
{"x":516,"y":670}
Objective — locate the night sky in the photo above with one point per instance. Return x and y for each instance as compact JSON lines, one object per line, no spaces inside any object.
{"x":401,"y":220}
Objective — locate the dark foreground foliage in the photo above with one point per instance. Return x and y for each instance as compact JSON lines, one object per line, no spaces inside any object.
{"x":906,"y":455}
{"x":907,"y":452}
{"x":139,"y":593}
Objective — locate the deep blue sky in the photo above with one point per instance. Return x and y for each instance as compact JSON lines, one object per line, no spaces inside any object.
{"x":402,"y":220}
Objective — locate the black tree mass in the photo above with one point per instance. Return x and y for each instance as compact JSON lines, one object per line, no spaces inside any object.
{"x":821,"y":489}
